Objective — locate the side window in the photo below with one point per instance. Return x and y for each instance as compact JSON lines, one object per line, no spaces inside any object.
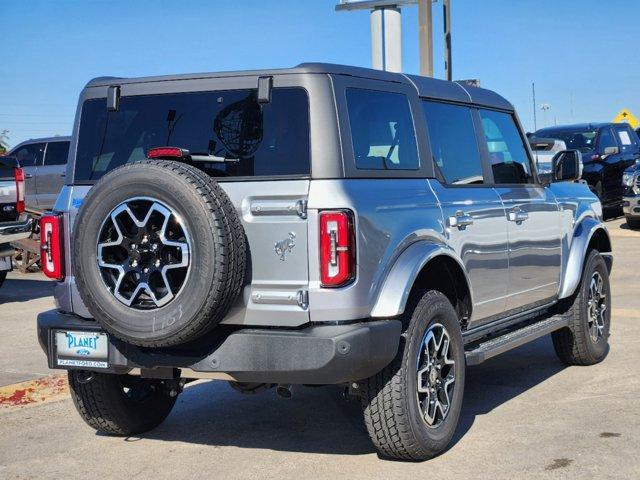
{"x":453,"y":143}
{"x":508,"y":156}
{"x":56,"y":153}
{"x":606,"y":139}
{"x":29,"y":155}
{"x":626,"y":139}
{"x":382,"y":130}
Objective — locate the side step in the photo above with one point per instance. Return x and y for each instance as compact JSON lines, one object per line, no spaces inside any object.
{"x":497,"y":345}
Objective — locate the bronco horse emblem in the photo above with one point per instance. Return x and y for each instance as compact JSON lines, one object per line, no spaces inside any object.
{"x":286,"y":245}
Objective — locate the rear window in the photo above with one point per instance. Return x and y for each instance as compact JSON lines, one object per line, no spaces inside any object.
{"x":255,"y":139}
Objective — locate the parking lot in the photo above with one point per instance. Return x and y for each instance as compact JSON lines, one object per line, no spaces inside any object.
{"x":525,"y":414}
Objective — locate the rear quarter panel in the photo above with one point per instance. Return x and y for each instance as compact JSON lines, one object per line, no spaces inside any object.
{"x":390,"y":215}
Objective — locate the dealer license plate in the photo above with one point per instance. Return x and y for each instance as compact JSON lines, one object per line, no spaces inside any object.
{"x":82,"y":349}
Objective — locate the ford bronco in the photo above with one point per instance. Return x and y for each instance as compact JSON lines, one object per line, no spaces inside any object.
{"x":317,"y":225}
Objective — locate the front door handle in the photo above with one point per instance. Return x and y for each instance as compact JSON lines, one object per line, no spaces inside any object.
{"x":28,"y":175}
{"x":517,"y":215}
{"x":460,"y":220}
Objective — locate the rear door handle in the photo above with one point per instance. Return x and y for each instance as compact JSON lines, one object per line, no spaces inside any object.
{"x":460,"y":220}
{"x":517,"y":215}
{"x":63,"y":175}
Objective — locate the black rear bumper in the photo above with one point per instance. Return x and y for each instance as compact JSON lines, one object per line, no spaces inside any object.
{"x":325,"y":354}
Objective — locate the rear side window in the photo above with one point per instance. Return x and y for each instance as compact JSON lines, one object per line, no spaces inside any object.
{"x":606,"y":139}
{"x":626,"y":138}
{"x":507,"y":153}
{"x":453,"y":143}
{"x":382,"y":130}
{"x":56,"y":153}
{"x":269,"y":139}
{"x":29,"y":155}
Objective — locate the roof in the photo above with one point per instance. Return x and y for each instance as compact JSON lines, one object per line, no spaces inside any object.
{"x":58,"y":138}
{"x":426,"y":86}
{"x":578,"y":126}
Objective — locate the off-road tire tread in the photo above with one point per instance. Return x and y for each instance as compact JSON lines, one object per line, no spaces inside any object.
{"x":571,"y":343}
{"x":385,"y":406}
{"x":633,"y":222}
{"x":230,"y":255}
{"x":98,"y":406}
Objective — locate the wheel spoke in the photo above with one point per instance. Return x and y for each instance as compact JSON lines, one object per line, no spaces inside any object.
{"x":145,"y":242}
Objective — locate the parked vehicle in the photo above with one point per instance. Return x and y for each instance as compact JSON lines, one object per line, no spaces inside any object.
{"x":631,"y":199}
{"x":14,"y":225}
{"x":544,"y":150}
{"x":44,"y":161}
{"x":607,"y":150}
{"x":316,"y":225}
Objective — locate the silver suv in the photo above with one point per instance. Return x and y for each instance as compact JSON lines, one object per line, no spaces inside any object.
{"x":316,"y":225}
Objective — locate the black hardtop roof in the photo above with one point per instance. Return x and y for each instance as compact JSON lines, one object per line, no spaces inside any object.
{"x":425,"y":86}
{"x":577,"y":127}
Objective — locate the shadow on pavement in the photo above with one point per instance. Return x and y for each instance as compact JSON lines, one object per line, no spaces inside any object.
{"x":319,"y":420}
{"x":23,"y":289}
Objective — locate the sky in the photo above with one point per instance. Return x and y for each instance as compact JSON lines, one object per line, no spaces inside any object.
{"x":581,"y":54}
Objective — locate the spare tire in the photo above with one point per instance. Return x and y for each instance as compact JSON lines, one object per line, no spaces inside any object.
{"x":158,"y":253}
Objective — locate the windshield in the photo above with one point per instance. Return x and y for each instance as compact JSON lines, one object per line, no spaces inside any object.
{"x":269,"y":139}
{"x":583,"y":140}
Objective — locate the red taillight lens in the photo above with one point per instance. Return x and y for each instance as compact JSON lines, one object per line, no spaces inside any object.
{"x":52,"y":258}
{"x":18,"y":175}
{"x":167,"y":152}
{"x":337,"y":248}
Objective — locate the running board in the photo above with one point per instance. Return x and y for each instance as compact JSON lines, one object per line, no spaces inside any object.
{"x":497,"y":345}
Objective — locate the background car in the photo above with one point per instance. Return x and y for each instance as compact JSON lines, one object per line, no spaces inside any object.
{"x":631,"y":199}
{"x":607,"y":150}
{"x":44,"y":161}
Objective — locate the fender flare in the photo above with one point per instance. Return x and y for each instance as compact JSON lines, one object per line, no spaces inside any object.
{"x":572,"y":271}
{"x":392,"y":297}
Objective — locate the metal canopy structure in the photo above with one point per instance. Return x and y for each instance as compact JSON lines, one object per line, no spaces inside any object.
{"x":386,"y":32}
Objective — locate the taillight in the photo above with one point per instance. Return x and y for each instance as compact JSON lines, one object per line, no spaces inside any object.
{"x":167,"y":152}
{"x":18,"y":175}
{"x":337,"y":248}
{"x":51,"y":258}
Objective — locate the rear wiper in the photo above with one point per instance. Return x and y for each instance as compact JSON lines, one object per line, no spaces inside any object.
{"x":199,"y":157}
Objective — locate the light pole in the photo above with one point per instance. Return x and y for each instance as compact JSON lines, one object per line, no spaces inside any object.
{"x":386,"y":32}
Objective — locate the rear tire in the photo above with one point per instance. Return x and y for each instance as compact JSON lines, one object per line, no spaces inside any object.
{"x":394,"y":399}
{"x":586,"y":340}
{"x":119,"y":404}
{"x":3,"y":277}
{"x":633,"y":222}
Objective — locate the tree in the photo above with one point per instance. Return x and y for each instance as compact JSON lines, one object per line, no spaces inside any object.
{"x":4,"y":141}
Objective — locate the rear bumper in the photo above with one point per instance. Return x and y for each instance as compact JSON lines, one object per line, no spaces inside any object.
{"x":326,"y":354}
{"x":14,"y":231}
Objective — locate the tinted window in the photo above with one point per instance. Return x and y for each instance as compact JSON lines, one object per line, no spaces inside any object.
{"x":56,"y":153}
{"x":453,"y":143}
{"x":606,"y":139}
{"x":382,"y":130}
{"x":626,"y":139}
{"x":29,"y":155}
{"x":583,"y":140}
{"x":507,"y":153}
{"x":254,"y":139}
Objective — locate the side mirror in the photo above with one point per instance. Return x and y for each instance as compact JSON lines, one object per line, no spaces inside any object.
{"x":566,"y":166}
{"x":611,"y":151}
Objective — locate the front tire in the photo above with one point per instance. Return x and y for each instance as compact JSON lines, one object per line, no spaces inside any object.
{"x":411,"y":408}
{"x":119,"y":405}
{"x":633,"y":222}
{"x":586,"y":340}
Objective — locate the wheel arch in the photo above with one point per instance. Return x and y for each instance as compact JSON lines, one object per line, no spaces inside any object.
{"x":424,"y":266}
{"x":589,"y":234}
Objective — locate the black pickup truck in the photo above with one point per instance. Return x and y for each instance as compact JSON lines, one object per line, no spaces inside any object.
{"x":14,"y":223}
